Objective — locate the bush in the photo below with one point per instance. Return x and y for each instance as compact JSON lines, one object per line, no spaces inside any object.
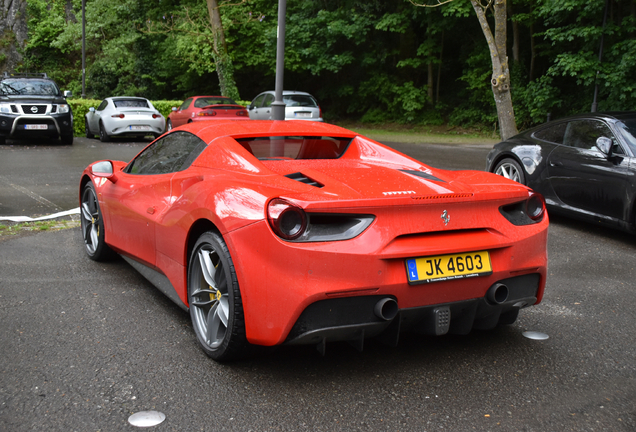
{"x":81,"y":106}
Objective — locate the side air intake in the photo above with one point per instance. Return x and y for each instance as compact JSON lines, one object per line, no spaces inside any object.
{"x":304,"y":179}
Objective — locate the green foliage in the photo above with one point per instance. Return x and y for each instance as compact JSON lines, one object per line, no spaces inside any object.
{"x":80,"y":109}
{"x":362,"y":59}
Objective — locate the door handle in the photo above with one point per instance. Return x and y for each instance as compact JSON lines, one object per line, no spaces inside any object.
{"x":556,"y":164}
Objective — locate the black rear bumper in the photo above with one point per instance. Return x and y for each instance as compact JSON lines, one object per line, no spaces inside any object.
{"x":353,"y":319}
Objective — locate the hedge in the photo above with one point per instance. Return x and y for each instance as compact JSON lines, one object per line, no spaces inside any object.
{"x":80,"y":108}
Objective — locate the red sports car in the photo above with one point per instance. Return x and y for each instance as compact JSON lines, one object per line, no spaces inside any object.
{"x":274,"y":232}
{"x":199,"y":108}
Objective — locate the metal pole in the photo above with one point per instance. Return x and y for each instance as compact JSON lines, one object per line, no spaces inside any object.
{"x":278,"y":106}
{"x":83,"y":49}
{"x":600,"y":57}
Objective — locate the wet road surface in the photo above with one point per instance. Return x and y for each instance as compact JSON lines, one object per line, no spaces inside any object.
{"x":85,"y":344}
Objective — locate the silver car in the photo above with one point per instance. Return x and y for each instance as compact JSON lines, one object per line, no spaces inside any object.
{"x":124,"y":116}
{"x":298,"y":106}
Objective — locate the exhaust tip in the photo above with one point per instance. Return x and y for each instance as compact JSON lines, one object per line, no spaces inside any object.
{"x":497,"y":294}
{"x":386,"y":309}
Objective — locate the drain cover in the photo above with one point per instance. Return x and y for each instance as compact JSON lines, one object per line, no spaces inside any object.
{"x":146,"y":418}
{"x":535,"y":335}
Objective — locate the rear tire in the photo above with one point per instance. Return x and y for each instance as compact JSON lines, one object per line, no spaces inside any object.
{"x":216,"y":307}
{"x":89,"y":134}
{"x":103,"y":136}
{"x":67,"y":139}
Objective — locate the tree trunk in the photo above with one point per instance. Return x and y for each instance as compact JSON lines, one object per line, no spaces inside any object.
{"x":515,"y":36}
{"x":222,"y":60}
{"x":500,"y":80}
{"x":533,"y":53}
{"x":439,"y":68}
{"x":429,"y":84}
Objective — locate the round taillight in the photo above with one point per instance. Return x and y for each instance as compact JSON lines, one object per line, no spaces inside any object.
{"x":286,"y":219}
{"x":535,"y":206}
{"x":154,"y":116}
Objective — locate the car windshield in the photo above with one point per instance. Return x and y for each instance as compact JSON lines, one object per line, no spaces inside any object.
{"x":203,"y":102}
{"x":33,"y":87}
{"x":299,"y":100}
{"x":130,"y":103}
{"x":295,"y":147}
{"x":628,"y":130}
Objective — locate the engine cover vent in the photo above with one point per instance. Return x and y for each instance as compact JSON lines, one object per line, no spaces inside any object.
{"x":298,"y":176}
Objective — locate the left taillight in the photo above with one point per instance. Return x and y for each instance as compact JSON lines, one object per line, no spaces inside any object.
{"x":120,"y":115}
{"x":287,"y":220}
{"x":206,"y":113}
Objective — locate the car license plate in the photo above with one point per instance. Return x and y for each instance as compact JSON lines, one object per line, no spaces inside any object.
{"x":303,"y":114}
{"x":448,"y":267}
{"x":36,"y":126}
{"x":139,"y":128}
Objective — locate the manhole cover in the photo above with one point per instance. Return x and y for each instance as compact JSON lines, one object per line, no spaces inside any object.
{"x":535,"y":335}
{"x":146,"y":418}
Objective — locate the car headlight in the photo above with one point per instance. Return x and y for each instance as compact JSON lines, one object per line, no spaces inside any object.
{"x":63,"y":109}
{"x":527,"y":212}
{"x":292,"y":223}
{"x":5,"y":108}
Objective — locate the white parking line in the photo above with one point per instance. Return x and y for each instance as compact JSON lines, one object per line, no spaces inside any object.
{"x":30,"y":194}
{"x":29,"y":219}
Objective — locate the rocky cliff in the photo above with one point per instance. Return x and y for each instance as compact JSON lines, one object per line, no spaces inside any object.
{"x":13,"y":33}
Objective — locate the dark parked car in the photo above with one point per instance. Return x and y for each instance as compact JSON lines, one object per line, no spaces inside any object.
{"x":584,"y":165}
{"x":31,"y":106}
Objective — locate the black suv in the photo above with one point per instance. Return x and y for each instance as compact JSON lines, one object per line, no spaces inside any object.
{"x":32,"y":105}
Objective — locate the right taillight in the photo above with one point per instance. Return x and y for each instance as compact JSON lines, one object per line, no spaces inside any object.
{"x":535,"y":206}
{"x":527,"y":212}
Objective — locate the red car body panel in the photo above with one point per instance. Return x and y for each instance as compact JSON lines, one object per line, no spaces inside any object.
{"x":151,"y":218}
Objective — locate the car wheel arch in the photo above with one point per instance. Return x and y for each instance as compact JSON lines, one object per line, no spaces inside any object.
{"x":507,"y":155}
{"x":199,"y":227}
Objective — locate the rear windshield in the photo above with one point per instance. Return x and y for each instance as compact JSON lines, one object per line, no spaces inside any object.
{"x":33,"y":87}
{"x":299,"y":100}
{"x":295,"y":147}
{"x":203,"y":102}
{"x":130,"y":103}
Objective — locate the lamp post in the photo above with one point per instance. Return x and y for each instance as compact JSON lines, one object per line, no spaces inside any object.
{"x":83,"y":49}
{"x":600,"y":57}
{"x":278,"y":106}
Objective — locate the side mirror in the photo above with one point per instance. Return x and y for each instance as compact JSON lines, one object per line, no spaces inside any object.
{"x":604,"y":144}
{"x":175,"y":109}
{"x":250,"y":107}
{"x":104,"y":169}
{"x":68,"y":94}
{"x":92,"y":109}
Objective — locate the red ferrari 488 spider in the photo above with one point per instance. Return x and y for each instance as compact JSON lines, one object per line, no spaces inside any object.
{"x":289,"y":232}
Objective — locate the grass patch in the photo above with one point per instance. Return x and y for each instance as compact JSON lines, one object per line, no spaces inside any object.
{"x":20,"y":228}
{"x":422,"y":134}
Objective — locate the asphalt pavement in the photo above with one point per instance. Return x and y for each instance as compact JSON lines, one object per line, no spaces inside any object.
{"x":85,"y":344}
